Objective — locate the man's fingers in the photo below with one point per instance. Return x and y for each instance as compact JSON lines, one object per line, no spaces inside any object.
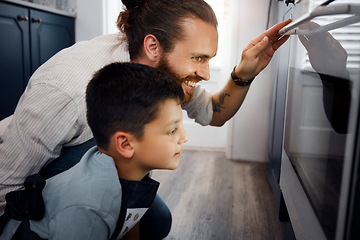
{"x":280,"y":42}
{"x":273,"y":33}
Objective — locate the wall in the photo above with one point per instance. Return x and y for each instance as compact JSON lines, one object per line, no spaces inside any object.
{"x":89,"y":19}
{"x":96,"y":17}
{"x":250,"y":126}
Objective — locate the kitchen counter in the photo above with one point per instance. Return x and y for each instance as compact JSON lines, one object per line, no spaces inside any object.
{"x":50,"y":9}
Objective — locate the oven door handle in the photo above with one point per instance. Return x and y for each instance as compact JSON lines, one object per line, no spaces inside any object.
{"x":327,"y":10}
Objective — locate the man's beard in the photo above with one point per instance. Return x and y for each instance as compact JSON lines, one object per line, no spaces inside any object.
{"x":164,"y":65}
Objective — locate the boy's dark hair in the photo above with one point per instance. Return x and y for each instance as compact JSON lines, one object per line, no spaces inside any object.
{"x":162,"y":18}
{"x":125,"y":97}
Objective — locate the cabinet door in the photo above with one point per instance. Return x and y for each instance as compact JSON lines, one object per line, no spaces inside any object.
{"x":14,"y":56}
{"x":49,"y":34}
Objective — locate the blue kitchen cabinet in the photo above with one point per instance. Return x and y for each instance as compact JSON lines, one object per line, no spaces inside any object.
{"x":29,"y":37}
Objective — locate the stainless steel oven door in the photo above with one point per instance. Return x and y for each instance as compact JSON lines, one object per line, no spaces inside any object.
{"x":321,"y":119}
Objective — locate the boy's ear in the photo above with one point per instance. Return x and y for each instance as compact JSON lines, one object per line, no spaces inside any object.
{"x":152,"y":48}
{"x":124,"y":144}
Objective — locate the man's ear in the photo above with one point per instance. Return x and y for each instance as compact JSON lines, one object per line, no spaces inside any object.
{"x":152,"y":48}
{"x":124,"y":144}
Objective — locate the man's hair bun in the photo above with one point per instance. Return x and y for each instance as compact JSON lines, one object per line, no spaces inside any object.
{"x":131,"y":4}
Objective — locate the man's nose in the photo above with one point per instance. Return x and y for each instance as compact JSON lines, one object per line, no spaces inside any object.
{"x":203,"y":71}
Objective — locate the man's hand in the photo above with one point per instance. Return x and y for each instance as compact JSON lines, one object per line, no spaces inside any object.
{"x":258,"y":53}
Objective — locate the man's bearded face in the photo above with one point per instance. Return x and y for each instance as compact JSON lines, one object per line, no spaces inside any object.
{"x":185,"y":82}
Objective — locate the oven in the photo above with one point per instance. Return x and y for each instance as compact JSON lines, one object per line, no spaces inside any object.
{"x":319,"y":173}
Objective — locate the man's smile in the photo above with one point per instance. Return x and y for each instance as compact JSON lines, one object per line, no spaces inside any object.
{"x":190,"y":83}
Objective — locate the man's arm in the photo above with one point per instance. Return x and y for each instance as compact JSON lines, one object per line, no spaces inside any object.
{"x":255,"y":57}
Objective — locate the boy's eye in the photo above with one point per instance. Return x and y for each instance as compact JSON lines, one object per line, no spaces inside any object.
{"x":172,"y":131}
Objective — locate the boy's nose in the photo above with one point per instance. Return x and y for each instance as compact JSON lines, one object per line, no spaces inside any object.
{"x":184,"y":137}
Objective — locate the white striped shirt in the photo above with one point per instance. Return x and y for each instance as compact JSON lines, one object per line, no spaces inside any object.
{"x":51,"y":113}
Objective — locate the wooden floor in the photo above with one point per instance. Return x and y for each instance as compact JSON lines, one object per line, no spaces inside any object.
{"x":214,"y":198}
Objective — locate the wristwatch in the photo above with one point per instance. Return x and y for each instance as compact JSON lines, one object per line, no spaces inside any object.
{"x":239,"y":81}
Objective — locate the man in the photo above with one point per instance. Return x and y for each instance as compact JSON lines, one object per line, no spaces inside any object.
{"x":177,"y":36}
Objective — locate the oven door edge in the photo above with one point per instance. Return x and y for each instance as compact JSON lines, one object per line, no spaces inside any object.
{"x":302,"y":216}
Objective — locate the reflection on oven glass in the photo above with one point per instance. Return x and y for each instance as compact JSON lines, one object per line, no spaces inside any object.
{"x":318,"y":106}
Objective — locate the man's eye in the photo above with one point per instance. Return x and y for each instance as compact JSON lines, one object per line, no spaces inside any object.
{"x":197,"y":59}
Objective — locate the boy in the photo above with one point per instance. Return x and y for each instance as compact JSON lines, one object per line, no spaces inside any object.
{"x":134,"y":112}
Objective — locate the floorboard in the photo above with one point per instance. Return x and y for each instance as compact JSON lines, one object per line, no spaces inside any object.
{"x":214,"y":198}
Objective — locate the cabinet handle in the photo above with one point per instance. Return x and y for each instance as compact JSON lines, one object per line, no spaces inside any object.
{"x":36,"y":20}
{"x":23,"y":18}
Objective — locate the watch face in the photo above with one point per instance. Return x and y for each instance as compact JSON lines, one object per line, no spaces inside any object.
{"x":289,"y":1}
{"x":241,"y":82}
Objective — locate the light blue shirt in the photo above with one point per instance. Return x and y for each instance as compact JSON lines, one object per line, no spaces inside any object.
{"x":81,"y":203}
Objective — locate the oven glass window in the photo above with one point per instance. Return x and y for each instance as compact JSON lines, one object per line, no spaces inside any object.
{"x":324,"y":68}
